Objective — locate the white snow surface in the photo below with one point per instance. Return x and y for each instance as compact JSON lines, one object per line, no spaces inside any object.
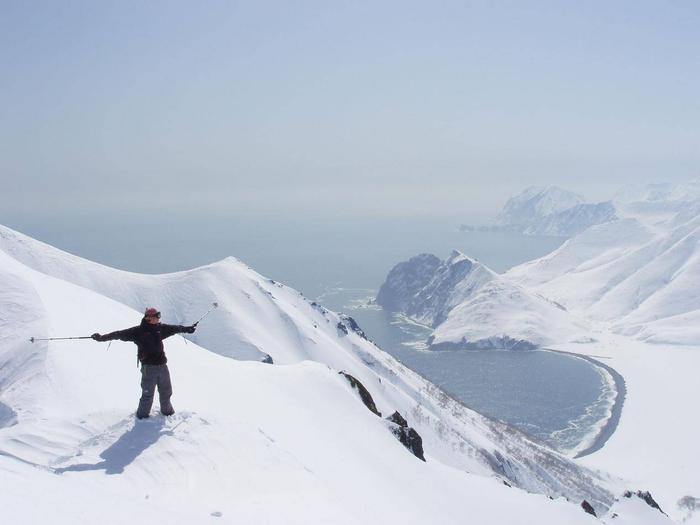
{"x":251,"y":442}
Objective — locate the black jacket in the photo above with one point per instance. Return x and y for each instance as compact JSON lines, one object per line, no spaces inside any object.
{"x":149,"y":340}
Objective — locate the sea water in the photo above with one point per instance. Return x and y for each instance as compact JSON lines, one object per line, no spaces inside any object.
{"x":555,"y":398}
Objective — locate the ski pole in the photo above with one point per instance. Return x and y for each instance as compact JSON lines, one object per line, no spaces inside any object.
{"x":213,"y":305}
{"x":33,"y":339}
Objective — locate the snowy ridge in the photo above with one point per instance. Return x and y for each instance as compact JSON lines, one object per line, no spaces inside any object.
{"x":69,"y":406}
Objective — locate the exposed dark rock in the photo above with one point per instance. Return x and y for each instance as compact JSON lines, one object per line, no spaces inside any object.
{"x":398,"y":419}
{"x":646,"y":497}
{"x":588,"y":508}
{"x":405,"y":280}
{"x":340,"y":326}
{"x":364,"y":393}
{"x":506,"y":483}
{"x":318,"y":307}
{"x":349,"y":321}
{"x":408,"y":436}
{"x":268,"y":359}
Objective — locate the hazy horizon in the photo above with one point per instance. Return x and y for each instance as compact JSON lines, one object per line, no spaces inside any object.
{"x":386,"y":109}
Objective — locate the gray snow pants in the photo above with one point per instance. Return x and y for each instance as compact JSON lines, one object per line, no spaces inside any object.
{"x":152,"y":376}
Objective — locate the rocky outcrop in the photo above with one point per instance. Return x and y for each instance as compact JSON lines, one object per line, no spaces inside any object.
{"x":405,"y":280}
{"x":646,"y":497}
{"x":364,"y":393}
{"x":588,"y":508}
{"x":352,"y":325}
{"x":408,"y":436}
{"x":398,"y":425}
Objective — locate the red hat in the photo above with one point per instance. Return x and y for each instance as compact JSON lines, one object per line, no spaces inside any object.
{"x":151,"y":312}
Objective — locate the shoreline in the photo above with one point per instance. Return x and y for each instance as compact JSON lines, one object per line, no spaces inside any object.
{"x":608,"y":429}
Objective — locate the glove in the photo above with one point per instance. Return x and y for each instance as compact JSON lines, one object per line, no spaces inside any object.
{"x":190,"y":329}
{"x":97,"y":337}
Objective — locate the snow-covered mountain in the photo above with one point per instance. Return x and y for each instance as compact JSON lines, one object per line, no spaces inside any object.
{"x":469,"y":305}
{"x":636,"y":270}
{"x":549,"y":211}
{"x":639,"y":273}
{"x":251,"y":442}
{"x":536,"y":202}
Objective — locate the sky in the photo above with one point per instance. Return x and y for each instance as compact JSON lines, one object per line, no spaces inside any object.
{"x":346,"y":108}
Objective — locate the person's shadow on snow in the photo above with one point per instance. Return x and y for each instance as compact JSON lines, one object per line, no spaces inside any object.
{"x":124,"y":450}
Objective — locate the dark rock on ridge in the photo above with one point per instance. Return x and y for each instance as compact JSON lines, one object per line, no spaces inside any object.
{"x":646,"y":497}
{"x":588,"y":508}
{"x":407,"y":435}
{"x":405,"y":280}
{"x":364,"y":393}
{"x":352,"y":324}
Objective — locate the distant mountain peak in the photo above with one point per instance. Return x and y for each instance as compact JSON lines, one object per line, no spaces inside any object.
{"x":549,"y":210}
{"x":536,"y":202}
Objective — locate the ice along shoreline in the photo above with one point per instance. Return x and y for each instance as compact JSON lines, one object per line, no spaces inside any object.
{"x":608,"y":429}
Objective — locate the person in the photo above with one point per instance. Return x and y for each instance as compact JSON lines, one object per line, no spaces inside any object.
{"x":148,"y":337}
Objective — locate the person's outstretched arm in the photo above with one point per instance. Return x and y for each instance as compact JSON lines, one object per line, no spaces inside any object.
{"x":166,"y":330}
{"x":123,"y":335}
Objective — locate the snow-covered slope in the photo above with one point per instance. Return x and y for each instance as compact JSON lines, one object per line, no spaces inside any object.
{"x":571,"y":221}
{"x":470,"y":306}
{"x":639,"y":273}
{"x":281,"y":443}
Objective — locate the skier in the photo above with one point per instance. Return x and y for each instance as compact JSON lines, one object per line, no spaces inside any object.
{"x":148,"y":337}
